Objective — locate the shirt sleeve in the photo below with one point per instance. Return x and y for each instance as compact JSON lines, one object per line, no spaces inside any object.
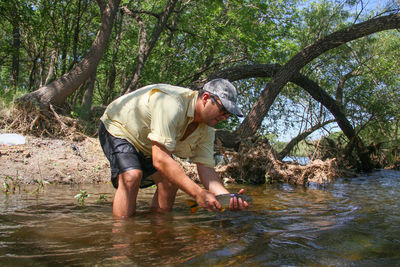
{"x":166,"y":113}
{"x":204,"y":151}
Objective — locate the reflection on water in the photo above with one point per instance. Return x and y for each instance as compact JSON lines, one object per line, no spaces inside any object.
{"x":300,"y":160}
{"x":351,"y":222}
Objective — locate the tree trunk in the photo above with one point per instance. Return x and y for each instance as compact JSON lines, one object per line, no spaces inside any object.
{"x":16,"y":48}
{"x":76,"y":36}
{"x":32,"y":74}
{"x":64,"y":46}
{"x":88,"y":98}
{"x":112,"y":73}
{"x":50,"y":73}
{"x":145,"y":47}
{"x":228,"y":139}
{"x":270,"y":70}
{"x":57,"y":91}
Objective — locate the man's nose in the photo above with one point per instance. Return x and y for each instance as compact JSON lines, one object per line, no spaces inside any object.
{"x":222,"y":117}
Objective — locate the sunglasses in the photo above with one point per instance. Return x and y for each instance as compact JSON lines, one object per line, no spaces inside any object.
{"x":221,"y":108}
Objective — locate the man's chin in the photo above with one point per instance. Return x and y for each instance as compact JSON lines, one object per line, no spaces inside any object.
{"x":212,"y":123}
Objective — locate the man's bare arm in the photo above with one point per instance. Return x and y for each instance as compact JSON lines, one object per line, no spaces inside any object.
{"x":209,"y":178}
{"x":170,"y":170}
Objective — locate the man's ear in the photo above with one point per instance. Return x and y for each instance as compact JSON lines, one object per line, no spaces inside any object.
{"x":205,"y":97}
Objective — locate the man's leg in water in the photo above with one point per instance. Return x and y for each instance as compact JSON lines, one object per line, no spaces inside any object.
{"x":164,"y":197}
{"x":125,"y":197}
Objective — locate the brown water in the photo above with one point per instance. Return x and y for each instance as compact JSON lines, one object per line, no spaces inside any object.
{"x":351,"y":222}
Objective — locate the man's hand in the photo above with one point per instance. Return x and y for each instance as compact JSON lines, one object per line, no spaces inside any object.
{"x":207,"y":201}
{"x":238,"y":203}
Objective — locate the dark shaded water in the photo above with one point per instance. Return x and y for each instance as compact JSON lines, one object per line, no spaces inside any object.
{"x":351,"y":222}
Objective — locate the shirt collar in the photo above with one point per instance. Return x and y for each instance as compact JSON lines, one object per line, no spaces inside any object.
{"x":192,"y":104}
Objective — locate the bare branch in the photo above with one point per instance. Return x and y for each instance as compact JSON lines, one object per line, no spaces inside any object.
{"x":300,"y":137}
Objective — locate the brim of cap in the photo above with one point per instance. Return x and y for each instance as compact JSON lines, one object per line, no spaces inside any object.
{"x":232,"y":107}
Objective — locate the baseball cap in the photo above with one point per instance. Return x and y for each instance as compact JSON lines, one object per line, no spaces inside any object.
{"x":226,"y":92}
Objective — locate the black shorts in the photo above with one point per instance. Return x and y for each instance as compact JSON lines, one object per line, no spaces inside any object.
{"x":123,"y":157}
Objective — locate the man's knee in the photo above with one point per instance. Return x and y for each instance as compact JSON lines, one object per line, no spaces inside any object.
{"x":164,"y":183}
{"x":169,"y":186}
{"x":130,"y":179}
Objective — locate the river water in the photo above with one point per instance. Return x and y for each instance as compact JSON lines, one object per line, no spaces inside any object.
{"x":352,"y":222}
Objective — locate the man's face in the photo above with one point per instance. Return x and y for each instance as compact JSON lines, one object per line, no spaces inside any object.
{"x":214,"y":110}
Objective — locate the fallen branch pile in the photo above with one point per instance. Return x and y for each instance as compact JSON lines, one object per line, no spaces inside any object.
{"x":257,"y":163}
{"x":32,"y":120}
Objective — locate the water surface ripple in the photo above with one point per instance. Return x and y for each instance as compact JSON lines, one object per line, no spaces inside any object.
{"x":350,"y":222}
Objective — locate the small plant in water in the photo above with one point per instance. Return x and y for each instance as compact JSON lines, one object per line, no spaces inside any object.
{"x":82,"y":196}
{"x":10,"y":184}
{"x":6,"y":186}
{"x":102,"y":198}
{"x":40,"y":184}
{"x":268,"y":179}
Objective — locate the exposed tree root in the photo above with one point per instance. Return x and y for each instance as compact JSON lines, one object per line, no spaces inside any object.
{"x":316,"y":171}
{"x":190,"y":169}
{"x":395,"y":165}
{"x":40,"y":122}
{"x":257,"y":163}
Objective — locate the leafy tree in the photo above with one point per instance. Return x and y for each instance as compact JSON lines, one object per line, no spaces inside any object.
{"x":57,"y":91}
{"x":277,"y":53}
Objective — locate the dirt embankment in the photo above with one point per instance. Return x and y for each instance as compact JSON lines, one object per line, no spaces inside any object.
{"x":55,"y":160}
{"x":69,"y":160}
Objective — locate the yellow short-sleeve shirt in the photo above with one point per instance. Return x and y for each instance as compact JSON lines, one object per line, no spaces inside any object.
{"x":161,"y":113}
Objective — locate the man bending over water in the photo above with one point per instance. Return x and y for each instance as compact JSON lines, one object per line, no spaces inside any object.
{"x":140,"y":131}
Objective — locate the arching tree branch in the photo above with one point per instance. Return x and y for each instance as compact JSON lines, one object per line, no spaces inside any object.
{"x":260,"y":108}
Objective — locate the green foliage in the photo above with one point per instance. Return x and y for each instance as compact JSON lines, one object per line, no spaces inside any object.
{"x":203,"y":37}
{"x":10,"y":185}
{"x":102,"y":198}
{"x":40,"y":185}
{"x":303,"y":149}
{"x":7,"y":97}
{"x":81,"y":197}
{"x":74,"y":114}
{"x":279,"y":145}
